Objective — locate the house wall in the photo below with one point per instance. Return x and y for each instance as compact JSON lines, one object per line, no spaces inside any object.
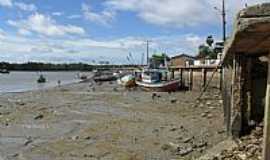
{"x":180,"y":61}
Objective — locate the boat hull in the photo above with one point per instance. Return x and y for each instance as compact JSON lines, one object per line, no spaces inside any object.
{"x":160,"y":87}
{"x":105,"y":78}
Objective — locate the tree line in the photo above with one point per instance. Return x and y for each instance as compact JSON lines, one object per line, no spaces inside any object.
{"x":35,"y":66}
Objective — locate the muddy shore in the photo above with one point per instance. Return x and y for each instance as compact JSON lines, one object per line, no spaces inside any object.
{"x":105,"y":121}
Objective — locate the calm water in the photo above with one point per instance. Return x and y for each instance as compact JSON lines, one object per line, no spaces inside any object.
{"x":25,"y":81}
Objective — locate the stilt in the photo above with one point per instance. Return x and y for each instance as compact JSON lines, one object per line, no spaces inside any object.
{"x":181,"y":77}
{"x":190,"y":79}
{"x":172,"y":76}
{"x":221,"y":75}
{"x":229,"y":109}
{"x":204,"y":77}
{"x":266,"y":145}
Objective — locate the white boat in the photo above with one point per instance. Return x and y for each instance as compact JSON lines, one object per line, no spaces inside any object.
{"x":156,"y":80}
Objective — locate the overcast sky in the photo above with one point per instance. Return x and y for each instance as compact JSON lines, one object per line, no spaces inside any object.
{"x":93,"y":30}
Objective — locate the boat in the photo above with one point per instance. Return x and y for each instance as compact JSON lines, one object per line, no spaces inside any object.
{"x":127,"y":81}
{"x":41,"y":79}
{"x":105,"y":78}
{"x":83,"y":77}
{"x":4,"y":71}
{"x":156,"y":80}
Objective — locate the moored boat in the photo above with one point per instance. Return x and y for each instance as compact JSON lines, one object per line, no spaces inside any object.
{"x":156,"y":80}
{"x":4,"y":71}
{"x":104,"y":78}
{"x":165,"y":86}
{"x":41,"y":79}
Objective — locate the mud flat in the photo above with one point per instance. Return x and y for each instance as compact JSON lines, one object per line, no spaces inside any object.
{"x":105,"y":121}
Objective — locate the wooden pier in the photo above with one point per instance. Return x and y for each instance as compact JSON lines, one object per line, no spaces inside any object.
{"x":204,"y":69}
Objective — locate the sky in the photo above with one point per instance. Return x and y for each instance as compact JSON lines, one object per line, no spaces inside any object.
{"x":88,"y":31}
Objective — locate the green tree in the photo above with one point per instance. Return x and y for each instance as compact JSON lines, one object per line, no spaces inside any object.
{"x":159,"y":59}
{"x":207,"y":51}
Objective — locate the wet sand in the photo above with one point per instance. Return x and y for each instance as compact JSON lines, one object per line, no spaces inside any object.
{"x":107,"y":122}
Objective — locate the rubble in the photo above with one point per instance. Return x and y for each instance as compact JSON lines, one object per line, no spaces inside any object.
{"x":249,"y":147}
{"x":173,"y":100}
{"x":38,"y":117}
{"x":28,"y":141}
{"x":184,"y":151}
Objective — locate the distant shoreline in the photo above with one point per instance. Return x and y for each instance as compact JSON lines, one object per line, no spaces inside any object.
{"x":34,"y":66}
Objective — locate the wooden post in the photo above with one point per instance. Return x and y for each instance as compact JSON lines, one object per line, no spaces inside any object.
{"x":181,"y":77}
{"x":202,"y":74}
{"x":266,"y":145}
{"x":190,"y":79}
{"x":221,"y":78}
{"x":204,"y":77}
{"x":172,"y":74}
{"x":229,"y":109}
{"x":249,"y":88}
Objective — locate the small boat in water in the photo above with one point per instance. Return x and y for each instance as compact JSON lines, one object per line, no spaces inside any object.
{"x":41,"y":79}
{"x":156,"y":80}
{"x":4,"y":71}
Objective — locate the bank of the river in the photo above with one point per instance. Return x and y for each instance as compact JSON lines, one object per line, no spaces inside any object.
{"x":105,"y":121}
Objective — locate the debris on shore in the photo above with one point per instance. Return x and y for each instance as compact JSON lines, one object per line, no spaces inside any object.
{"x":248,"y":147}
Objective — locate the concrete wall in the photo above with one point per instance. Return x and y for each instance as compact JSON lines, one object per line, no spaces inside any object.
{"x":244,"y":91}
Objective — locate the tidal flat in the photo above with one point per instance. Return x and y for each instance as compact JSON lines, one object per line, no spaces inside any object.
{"x":105,"y":121}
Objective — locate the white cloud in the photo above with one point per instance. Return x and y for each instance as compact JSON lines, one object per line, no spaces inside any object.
{"x":24,"y":32}
{"x":178,"y":13}
{"x":2,"y":34}
{"x":44,"y":25}
{"x":74,"y":16}
{"x":104,"y":17}
{"x":6,"y":3}
{"x":58,"y":50}
{"x":57,"y":13}
{"x":25,"y":7}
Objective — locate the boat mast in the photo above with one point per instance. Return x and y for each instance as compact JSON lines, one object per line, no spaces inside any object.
{"x":142,"y":62}
{"x":147,"y":52}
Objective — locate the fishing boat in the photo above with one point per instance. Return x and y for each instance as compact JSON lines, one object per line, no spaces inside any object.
{"x":104,"y":78}
{"x":156,"y":80}
{"x":41,"y":79}
{"x":4,"y":71}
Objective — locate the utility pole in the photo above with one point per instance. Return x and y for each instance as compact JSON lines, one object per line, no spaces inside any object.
{"x":147,"y":51}
{"x":143,"y":60}
{"x":223,"y":14}
{"x":224,"y":20}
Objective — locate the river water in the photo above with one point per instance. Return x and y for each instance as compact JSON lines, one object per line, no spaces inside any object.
{"x":25,"y":81}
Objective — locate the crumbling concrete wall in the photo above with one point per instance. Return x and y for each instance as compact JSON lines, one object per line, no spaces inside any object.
{"x":245,"y":88}
{"x":247,"y":74}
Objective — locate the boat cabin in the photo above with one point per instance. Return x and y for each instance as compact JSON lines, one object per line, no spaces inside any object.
{"x":152,"y":75}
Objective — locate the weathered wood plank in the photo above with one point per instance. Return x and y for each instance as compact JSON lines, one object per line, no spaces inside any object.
{"x":266,"y":147}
